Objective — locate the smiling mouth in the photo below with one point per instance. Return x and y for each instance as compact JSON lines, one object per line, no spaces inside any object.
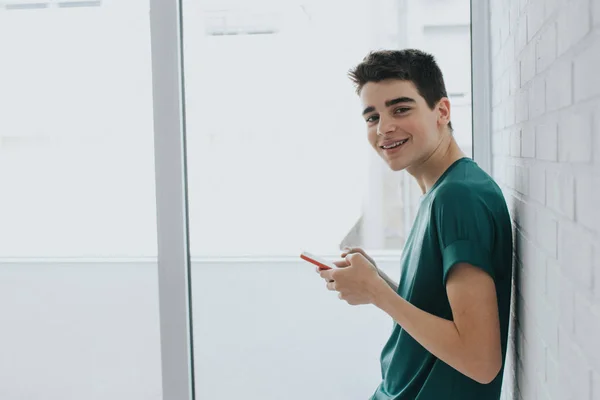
{"x":394,"y":145}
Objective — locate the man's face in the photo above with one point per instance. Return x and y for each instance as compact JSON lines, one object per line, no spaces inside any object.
{"x":401,"y":127}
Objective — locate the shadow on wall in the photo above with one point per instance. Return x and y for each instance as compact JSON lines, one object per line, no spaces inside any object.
{"x":514,"y":335}
{"x":510,"y":388}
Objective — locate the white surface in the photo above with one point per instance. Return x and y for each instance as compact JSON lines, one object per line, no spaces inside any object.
{"x":264,"y":330}
{"x":546,"y":102}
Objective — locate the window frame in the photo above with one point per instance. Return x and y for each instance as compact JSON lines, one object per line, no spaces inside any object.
{"x":174,"y":273}
{"x":171,"y":186}
{"x":481,"y":84}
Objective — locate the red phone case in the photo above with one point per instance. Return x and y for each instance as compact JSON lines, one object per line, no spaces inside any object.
{"x":314,"y":260}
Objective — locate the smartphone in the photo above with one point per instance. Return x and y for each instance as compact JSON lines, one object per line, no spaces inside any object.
{"x":318,"y":261}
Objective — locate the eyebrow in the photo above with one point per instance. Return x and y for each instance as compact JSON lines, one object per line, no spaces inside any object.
{"x":390,"y":103}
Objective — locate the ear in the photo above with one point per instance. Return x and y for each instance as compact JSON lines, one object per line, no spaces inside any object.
{"x":443,"y":108}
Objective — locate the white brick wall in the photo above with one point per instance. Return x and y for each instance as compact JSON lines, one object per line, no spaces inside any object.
{"x":546,"y":157}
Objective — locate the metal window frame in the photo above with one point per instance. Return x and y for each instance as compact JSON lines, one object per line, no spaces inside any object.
{"x":174,"y":275}
{"x":481,"y":84}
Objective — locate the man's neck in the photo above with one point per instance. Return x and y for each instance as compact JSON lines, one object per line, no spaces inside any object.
{"x":429,"y":171}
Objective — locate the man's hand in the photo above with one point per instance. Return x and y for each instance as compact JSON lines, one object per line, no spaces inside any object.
{"x":356,"y":280}
{"x":352,"y":250}
{"x":357,"y":250}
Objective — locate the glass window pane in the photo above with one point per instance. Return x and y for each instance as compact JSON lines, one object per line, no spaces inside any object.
{"x":278,"y":163}
{"x":78,"y":276}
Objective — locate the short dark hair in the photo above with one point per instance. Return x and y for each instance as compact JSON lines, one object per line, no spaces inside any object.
{"x":412,"y":65}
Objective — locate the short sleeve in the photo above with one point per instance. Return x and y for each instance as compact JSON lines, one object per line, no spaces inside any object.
{"x":465,"y":228}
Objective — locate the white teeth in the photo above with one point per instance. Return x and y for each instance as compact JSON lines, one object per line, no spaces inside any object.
{"x":396,"y":144}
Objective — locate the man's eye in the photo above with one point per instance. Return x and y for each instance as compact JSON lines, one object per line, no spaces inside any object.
{"x":372,"y":118}
{"x":401,"y":110}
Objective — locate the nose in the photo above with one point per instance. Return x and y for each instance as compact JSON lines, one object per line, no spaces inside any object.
{"x":385,"y":126}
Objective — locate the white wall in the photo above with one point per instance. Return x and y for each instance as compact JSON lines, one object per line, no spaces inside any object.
{"x":263,"y":329}
{"x":546,"y":155}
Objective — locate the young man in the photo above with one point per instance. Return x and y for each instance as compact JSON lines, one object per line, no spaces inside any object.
{"x":451,"y":306}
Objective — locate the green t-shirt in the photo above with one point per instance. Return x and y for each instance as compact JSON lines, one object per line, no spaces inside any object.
{"x":462,"y":218}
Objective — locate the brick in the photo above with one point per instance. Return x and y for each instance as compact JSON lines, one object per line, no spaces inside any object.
{"x":522,"y":106}
{"x":495,"y":49}
{"x":552,"y":303}
{"x":497,"y":144}
{"x":504,"y":142}
{"x":524,"y":216}
{"x":534,"y":356}
{"x":595,"y":385}
{"x":508,"y":54}
{"x":533,"y":280}
{"x":496,"y":93}
{"x":559,"y":85}
{"x":587,"y":198}
{"x":547,"y":233}
{"x":575,"y":254}
{"x":537,"y":184}
{"x":573,"y":24}
{"x":586,"y":66}
{"x":535,"y":17}
{"x":509,"y":112}
{"x":546,"y":48}
{"x":526,"y":357}
{"x":597,"y":274}
{"x":498,"y":117}
{"x":587,"y":326}
{"x":566,"y":304}
{"x":529,"y":218}
{"x":551,"y":7}
{"x":504,"y":25}
{"x":513,"y":16}
{"x":573,"y":369}
{"x":527,"y":64}
{"x":526,"y":386}
{"x":575,"y":137}
{"x":498,"y":169}
{"x":514,"y":78}
{"x":522,"y":5}
{"x":560,"y":193}
{"x":528,"y":141}
{"x":552,"y":279}
{"x":510,"y":176}
{"x":522,"y":180}
{"x":548,"y":324}
{"x":505,"y":85}
{"x":521,"y":35}
{"x":546,"y":141}
{"x":515,"y":143}
{"x":537,"y":97}
{"x":552,"y":377}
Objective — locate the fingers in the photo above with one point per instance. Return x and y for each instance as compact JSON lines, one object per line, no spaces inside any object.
{"x":358,"y":250}
{"x":341,"y":263}
{"x":354,"y":257}
{"x":327,"y":274}
{"x":347,"y":250}
{"x":351,"y":250}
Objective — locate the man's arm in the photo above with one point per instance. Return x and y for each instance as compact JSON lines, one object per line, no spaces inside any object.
{"x":470,"y":343}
